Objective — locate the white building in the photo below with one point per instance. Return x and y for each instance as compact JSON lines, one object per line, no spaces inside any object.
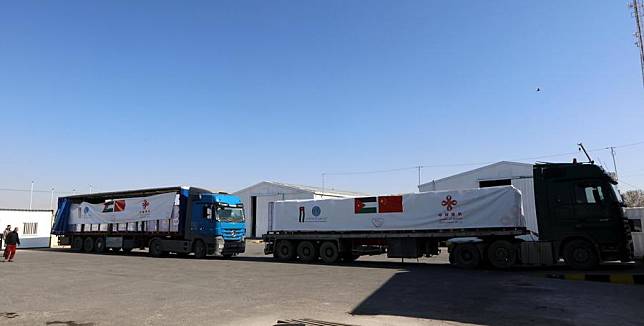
{"x":636,"y":214}
{"x":34,"y":226}
{"x":501,"y":173}
{"x":257,"y":197}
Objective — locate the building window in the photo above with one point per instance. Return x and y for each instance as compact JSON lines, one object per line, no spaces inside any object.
{"x":495,"y":183}
{"x":29,"y":228}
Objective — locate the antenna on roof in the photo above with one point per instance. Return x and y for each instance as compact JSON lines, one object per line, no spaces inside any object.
{"x":582,"y":148}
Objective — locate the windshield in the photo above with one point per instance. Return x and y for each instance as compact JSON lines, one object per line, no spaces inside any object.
{"x":230,"y":214}
{"x":618,"y":195}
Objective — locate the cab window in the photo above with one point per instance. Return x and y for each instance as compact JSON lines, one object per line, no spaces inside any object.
{"x":589,"y":194}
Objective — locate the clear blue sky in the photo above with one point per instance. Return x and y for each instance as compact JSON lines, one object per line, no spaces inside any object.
{"x":122,"y":94}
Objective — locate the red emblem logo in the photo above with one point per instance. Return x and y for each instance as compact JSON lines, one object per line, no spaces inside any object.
{"x":145,"y":204}
{"x":449,"y":203}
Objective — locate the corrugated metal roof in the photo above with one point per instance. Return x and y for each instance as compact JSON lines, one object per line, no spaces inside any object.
{"x":479,"y":169}
{"x":312,"y":189}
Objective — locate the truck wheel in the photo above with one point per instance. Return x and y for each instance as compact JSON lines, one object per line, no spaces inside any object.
{"x":156,"y":248}
{"x":99,"y":245}
{"x":307,"y":252}
{"x":580,"y":254}
{"x":88,"y":245}
{"x":329,"y":252}
{"x":200,"y":249}
{"x":284,"y":250}
{"x":501,"y":254}
{"x":77,"y":244}
{"x":465,"y":256}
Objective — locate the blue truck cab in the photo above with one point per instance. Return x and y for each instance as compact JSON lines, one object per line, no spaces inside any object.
{"x":219,"y":216}
{"x":202,"y":222}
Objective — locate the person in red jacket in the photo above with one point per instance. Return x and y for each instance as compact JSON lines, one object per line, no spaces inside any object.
{"x":12,"y":240}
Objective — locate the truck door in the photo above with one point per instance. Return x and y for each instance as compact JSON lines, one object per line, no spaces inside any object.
{"x":594,"y":211}
{"x":560,"y":218}
{"x":203,"y":220}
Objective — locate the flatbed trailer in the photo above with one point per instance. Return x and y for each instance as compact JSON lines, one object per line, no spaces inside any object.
{"x":333,"y":247}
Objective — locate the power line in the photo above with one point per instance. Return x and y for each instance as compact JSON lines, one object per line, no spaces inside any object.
{"x":472,"y":163}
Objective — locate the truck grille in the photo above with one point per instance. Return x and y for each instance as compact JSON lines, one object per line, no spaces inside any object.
{"x":232,"y":233}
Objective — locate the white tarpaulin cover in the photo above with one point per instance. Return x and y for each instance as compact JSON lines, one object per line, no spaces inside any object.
{"x":473,"y":208}
{"x":125,"y":210}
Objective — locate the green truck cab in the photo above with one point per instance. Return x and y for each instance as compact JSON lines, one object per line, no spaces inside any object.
{"x":580,"y":212}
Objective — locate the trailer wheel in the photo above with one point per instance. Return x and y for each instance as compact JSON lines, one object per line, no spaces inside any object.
{"x":501,"y":254}
{"x":77,"y":244}
{"x":284,"y":250}
{"x":580,"y":254}
{"x":88,"y":245}
{"x":99,"y":245}
{"x":307,"y":252}
{"x":200,"y":249}
{"x":329,"y":252}
{"x":465,"y":256}
{"x":156,"y":248}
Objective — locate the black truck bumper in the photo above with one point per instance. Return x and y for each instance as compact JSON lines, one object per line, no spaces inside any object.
{"x":233,"y":247}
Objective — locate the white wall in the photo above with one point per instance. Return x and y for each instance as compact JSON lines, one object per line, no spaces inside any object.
{"x":17,"y":218}
{"x":637,"y":213}
{"x":520,"y":175}
{"x":266,"y":192}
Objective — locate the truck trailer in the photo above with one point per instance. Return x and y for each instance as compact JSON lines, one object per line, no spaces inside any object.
{"x":579,"y":214}
{"x":179,"y":220}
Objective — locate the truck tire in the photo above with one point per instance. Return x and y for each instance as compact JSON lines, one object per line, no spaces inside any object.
{"x":501,"y":254}
{"x":99,"y":245}
{"x":466,"y":256}
{"x":329,"y":252}
{"x":77,"y":244}
{"x":580,"y":254}
{"x":307,"y":252}
{"x":284,"y":250}
{"x":199,"y":249}
{"x":156,"y":248}
{"x":88,"y":245}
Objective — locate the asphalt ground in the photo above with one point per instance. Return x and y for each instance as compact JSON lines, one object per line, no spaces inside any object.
{"x":58,"y":287}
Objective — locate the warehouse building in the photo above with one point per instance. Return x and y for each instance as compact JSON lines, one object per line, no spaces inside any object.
{"x":256,"y":198}
{"x":502,"y":173}
{"x":34,"y":226}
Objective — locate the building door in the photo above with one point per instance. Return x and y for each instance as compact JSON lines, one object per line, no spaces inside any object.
{"x":253,"y":216}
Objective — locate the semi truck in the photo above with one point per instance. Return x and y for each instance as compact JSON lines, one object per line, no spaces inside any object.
{"x":180,"y":220}
{"x":579,"y":218}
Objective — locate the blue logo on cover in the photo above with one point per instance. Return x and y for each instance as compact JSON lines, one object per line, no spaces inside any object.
{"x":316,"y":211}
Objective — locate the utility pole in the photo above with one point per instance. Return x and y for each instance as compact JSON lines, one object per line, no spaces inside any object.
{"x":31,"y":195}
{"x":638,"y":13}
{"x":612,"y":153}
{"x":51,"y":200}
{"x":419,"y":168}
{"x":90,"y":189}
{"x":323,"y":180}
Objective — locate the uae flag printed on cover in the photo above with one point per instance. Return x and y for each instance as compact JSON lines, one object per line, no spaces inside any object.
{"x":114,"y":206}
{"x":366,"y":205}
{"x":390,"y":204}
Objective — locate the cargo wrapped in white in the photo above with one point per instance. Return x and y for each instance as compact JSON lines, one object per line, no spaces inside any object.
{"x":495,"y":207}
{"x":126,"y":210}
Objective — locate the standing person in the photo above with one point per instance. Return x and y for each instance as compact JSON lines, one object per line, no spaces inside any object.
{"x":12,"y":240}
{"x":4,"y":234}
